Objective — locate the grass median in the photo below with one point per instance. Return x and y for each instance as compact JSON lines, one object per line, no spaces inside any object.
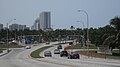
{"x":35,"y":54}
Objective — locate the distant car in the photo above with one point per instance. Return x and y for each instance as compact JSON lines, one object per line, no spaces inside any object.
{"x":13,"y":43}
{"x":28,"y":47}
{"x":70,"y":43}
{"x":59,"y":47}
{"x":56,"y":51}
{"x":73,"y":55}
{"x":47,"y":42}
{"x":63,"y":53}
{"x":1,"y":42}
{"x":47,"y":54}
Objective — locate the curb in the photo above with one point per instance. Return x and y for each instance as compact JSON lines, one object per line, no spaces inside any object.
{"x":4,"y":52}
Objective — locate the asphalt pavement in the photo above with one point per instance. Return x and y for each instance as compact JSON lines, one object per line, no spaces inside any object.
{"x":84,"y":61}
{"x":20,"y":57}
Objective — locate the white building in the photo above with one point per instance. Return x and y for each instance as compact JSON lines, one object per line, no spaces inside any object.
{"x":17,"y":27}
{"x":36,"y":25}
{"x":43,"y":22}
{"x":22,"y":27}
{"x":14,"y":27}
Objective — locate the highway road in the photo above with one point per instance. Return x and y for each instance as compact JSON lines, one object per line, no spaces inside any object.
{"x":82,"y":62}
{"x":20,"y":57}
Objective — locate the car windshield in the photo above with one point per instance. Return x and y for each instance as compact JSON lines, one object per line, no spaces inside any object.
{"x":56,"y":49}
{"x":47,"y":52}
{"x":64,"y":52}
{"x":73,"y":52}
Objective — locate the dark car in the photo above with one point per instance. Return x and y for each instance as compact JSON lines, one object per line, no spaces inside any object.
{"x":70,"y":43}
{"x":59,"y":47}
{"x":56,"y":51}
{"x":73,"y":55}
{"x":47,"y":54}
{"x":63,"y":53}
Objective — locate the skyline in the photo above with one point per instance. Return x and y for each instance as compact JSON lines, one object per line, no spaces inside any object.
{"x":63,"y":12}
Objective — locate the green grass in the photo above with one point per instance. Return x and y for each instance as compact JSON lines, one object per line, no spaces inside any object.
{"x":95,"y":54}
{"x":113,"y":56}
{"x":78,"y":46}
{"x":35,"y":54}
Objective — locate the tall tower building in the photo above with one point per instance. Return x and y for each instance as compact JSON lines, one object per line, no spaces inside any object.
{"x":45,"y":20}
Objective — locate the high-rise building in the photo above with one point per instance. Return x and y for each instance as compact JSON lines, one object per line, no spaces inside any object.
{"x":1,"y":26}
{"x":45,"y":20}
{"x":36,"y":24}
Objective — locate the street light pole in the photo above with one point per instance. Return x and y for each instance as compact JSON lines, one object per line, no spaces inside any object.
{"x":7,"y":34}
{"x":83,"y":33}
{"x":87,"y":27}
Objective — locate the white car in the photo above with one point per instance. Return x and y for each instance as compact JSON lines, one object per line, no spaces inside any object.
{"x":56,"y":51}
{"x":27,"y":47}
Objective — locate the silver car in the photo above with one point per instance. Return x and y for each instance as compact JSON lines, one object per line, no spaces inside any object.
{"x":47,"y":54}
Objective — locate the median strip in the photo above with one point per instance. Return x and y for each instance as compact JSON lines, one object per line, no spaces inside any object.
{"x":35,"y":54}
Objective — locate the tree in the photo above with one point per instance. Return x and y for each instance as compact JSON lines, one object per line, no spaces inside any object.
{"x":115,"y":22}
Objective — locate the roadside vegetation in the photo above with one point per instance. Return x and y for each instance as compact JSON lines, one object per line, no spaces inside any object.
{"x":93,"y":54}
{"x":35,"y":54}
{"x":78,"y":46}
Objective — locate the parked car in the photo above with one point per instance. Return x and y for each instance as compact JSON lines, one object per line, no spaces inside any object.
{"x":56,"y":51}
{"x":73,"y":55}
{"x":59,"y":47}
{"x":28,"y":47}
{"x":47,"y":54}
{"x":63,"y":53}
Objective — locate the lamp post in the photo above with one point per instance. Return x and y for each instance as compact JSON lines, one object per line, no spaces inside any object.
{"x":83,"y":33}
{"x":87,"y":28}
{"x":7,"y":34}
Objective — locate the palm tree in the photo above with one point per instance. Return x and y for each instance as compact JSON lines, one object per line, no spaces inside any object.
{"x":110,"y":42}
{"x":115,"y":22}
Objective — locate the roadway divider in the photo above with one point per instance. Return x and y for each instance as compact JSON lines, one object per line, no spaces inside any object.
{"x":35,"y":54}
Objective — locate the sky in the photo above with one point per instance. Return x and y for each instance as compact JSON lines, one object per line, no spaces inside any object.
{"x":64,"y":13}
